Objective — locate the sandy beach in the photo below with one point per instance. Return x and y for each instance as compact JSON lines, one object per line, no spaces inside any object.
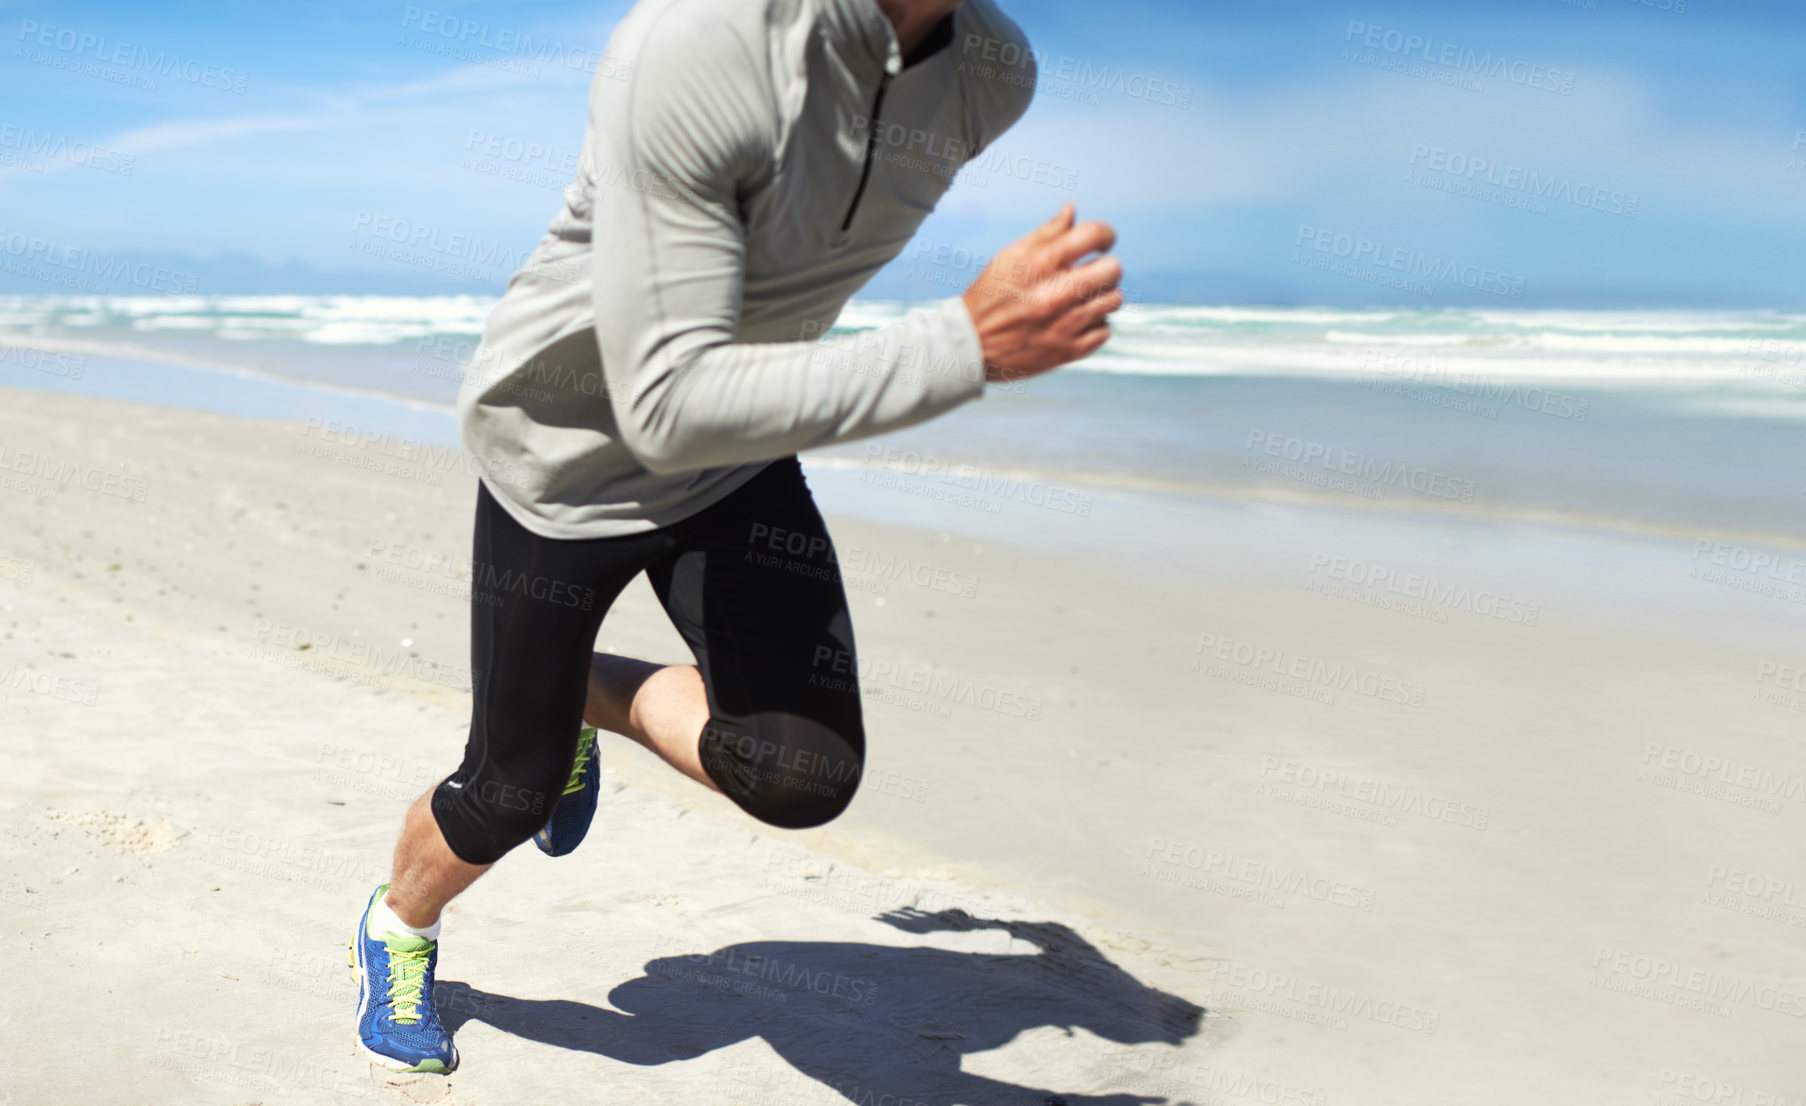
{"x":1349,"y":651}
{"x":1215,"y":802}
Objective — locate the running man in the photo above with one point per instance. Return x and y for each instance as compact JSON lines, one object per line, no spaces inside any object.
{"x":639,"y":398}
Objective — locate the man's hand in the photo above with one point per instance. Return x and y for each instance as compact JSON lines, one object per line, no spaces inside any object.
{"x":1037,"y":308}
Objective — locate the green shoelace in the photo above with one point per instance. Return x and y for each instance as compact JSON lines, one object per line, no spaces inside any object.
{"x":586,"y":748}
{"x":407,"y":981}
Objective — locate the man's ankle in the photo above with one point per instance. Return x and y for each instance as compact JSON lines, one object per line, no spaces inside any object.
{"x":384,"y":918}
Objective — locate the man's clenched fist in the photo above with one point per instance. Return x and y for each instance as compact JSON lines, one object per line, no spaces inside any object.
{"x":1037,"y":307}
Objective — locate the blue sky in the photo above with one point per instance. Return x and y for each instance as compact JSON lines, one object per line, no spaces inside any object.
{"x":1526,"y":153}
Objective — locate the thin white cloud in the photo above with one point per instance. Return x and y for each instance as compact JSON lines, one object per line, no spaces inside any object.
{"x":345,"y":106}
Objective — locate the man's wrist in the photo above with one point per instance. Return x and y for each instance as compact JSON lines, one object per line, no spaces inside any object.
{"x":956,"y":367}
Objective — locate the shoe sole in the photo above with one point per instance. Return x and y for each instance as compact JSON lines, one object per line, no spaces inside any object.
{"x":430,"y":1067}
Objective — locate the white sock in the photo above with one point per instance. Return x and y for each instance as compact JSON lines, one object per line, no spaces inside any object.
{"x":383,"y":920}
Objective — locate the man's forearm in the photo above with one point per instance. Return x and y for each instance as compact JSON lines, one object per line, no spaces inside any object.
{"x":745,"y":402}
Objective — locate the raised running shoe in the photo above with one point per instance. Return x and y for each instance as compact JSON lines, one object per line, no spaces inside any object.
{"x":570,"y":819}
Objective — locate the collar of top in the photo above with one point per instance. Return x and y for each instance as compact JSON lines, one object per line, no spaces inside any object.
{"x":861,"y":28}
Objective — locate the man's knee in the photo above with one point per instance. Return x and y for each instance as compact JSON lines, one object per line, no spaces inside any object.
{"x":483,"y":818}
{"x":800,"y":805}
{"x":784,"y":769}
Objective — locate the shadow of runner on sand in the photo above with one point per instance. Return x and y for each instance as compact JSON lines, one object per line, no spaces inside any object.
{"x":875,"y":1023}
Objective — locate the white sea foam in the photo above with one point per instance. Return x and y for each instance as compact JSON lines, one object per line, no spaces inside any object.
{"x":1619,"y":347}
{"x":1344,"y":337}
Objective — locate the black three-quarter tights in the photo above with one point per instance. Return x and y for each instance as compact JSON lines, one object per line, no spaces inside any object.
{"x":752,"y":585}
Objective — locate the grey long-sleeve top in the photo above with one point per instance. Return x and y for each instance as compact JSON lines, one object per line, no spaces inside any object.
{"x":664,"y":341}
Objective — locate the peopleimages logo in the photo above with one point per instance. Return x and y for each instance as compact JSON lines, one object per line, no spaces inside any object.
{"x":1460,"y":59}
{"x":1416,"y":585}
{"x":1717,"y":769}
{"x":1678,"y":984}
{"x":456,"y":244}
{"x":61,"y":474}
{"x":1516,"y":178}
{"x":1361,"y":466}
{"x":1303,"y":998}
{"x":42,"y":360}
{"x":86,"y":270}
{"x":1257,"y":872}
{"x":1311,"y":672}
{"x":1403,"y":259}
{"x":506,"y":40}
{"x":996,"y":487}
{"x":1044,"y":69}
{"x":56,"y":148}
{"x":1443,"y":375}
{"x":1757,"y":885}
{"x":130,"y":58}
{"x":1393,"y":798}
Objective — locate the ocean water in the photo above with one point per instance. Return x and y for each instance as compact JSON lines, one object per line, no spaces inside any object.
{"x":1680,"y":423}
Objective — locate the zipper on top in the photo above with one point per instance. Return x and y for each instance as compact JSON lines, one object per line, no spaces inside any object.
{"x":871,"y":150}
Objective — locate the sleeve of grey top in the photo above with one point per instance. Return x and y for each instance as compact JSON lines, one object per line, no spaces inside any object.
{"x":677,"y":141}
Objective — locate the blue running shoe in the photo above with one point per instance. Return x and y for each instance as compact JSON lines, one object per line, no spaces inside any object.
{"x":577,"y":806}
{"x":395,"y":1015}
